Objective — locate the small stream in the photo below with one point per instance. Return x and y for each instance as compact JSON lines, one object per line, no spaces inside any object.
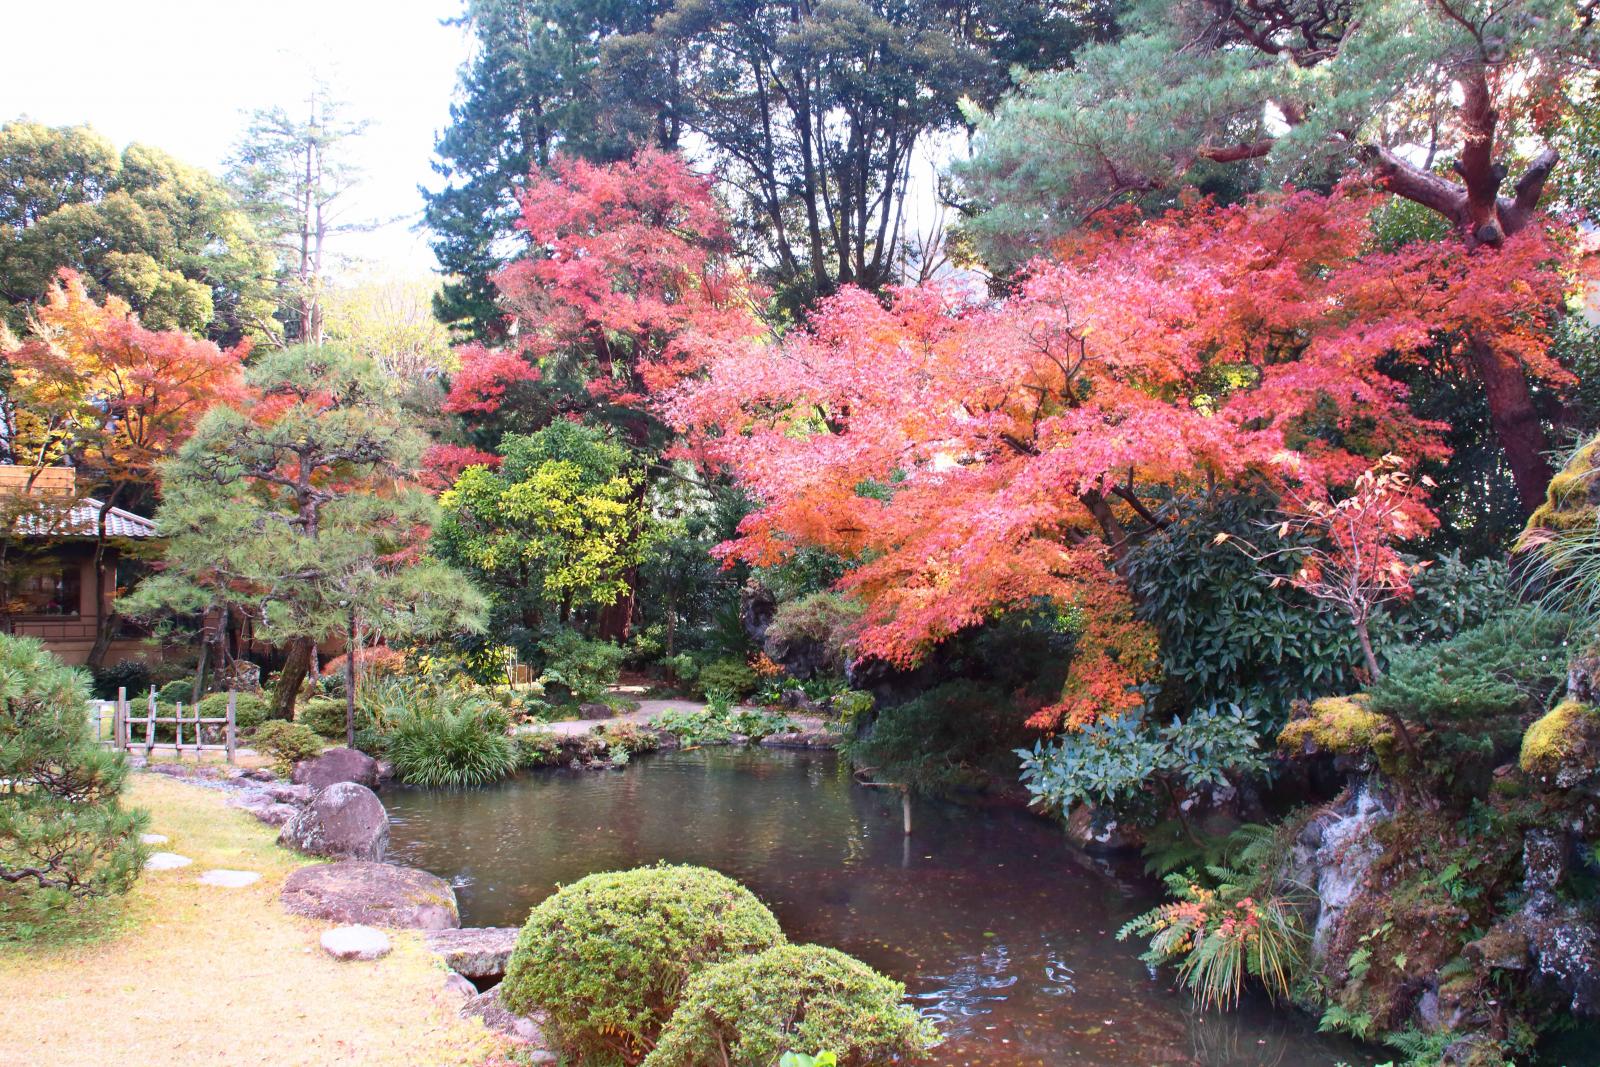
{"x":1003,"y":934}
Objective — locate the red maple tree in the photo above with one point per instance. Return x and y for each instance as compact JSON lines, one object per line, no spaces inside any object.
{"x":974,"y":456}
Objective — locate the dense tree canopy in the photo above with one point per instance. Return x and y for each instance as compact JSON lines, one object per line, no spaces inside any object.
{"x":167,"y":238}
{"x":976,"y":456}
{"x":1402,"y":89}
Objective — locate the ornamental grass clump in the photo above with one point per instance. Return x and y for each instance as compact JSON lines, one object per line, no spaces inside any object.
{"x":608,"y":957}
{"x":64,"y":835}
{"x":451,"y":739}
{"x":748,"y":1012}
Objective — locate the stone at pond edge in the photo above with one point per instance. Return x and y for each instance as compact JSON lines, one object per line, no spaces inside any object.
{"x":478,"y":952}
{"x":334,"y":766}
{"x":355,"y":943}
{"x":166,"y":861}
{"x":459,"y":986}
{"x":1098,"y":830}
{"x":345,"y":819}
{"x":527,"y":1029}
{"x":372,"y":894}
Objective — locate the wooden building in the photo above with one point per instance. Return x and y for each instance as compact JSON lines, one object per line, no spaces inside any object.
{"x":49,"y":587}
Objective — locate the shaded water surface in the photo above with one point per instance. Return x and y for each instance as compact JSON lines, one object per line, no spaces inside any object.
{"x":1002,"y":933}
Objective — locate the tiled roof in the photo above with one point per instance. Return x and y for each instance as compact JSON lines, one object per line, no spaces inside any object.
{"x":83,"y":520}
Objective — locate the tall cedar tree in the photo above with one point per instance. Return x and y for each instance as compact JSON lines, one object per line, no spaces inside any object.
{"x":1439,"y":101}
{"x":296,"y":511}
{"x":977,"y":456}
{"x":94,"y":388}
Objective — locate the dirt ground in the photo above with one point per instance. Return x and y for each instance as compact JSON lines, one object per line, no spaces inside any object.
{"x":191,"y":975}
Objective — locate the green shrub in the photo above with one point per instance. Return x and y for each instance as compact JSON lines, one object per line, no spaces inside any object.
{"x":250,"y":710}
{"x":748,"y":1012}
{"x":453,"y":739}
{"x":1509,"y":665}
{"x":826,"y":619}
{"x":181,"y":689}
{"x":608,"y":956}
{"x":626,"y":737}
{"x":130,"y":674}
{"x":324,"y":717}
{"x":577,"y":669}
{"x":536,"y":749}
{"x":731,"y":676}
{"x":287,"y":743}
{"x":64,"y":835}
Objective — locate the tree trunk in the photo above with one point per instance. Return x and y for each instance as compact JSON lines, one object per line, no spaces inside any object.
{"x":616,"y":618}
{"x":289,"y":679}
{"x":350,"y":685}
{"x":1515,"y":419}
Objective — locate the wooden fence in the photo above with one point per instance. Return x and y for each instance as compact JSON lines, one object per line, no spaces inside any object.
{"x":129,"y":731}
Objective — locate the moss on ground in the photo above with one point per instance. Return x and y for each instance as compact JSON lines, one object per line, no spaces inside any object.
{"x":186,"y":973}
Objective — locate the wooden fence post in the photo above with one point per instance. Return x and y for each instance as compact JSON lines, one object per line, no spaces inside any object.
{"x":150,"y":726}
{"x":120,"y":719}
{"x":231,"y":738}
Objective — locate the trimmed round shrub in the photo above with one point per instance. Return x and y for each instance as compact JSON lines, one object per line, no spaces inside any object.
{"x":172,"y":692}
{"x":608,"y":956}
{"x":323,"y":716}
{"x":250,"y":710}
{"x":749,"y":1012}
{"x":731,"y":676}
{"x":287,"y":743}
{"x":434,"y":744}
{"x":132,"y":675}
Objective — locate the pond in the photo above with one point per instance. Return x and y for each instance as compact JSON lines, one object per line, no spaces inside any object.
{"x":1002,"y":933}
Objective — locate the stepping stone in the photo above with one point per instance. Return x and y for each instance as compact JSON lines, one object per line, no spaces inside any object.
{"x":152,"y":839}
{"x":230,"y":879}
{"x":355,"y":943}
{"x":166,"y":861}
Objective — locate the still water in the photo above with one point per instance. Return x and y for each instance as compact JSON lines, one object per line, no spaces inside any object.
{"x":1002,"y":933}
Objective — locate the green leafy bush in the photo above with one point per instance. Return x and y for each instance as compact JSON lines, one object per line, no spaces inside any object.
{"x":250,"y":710}
{"x":1115,"y":761}
{"x":174,"y":691}
{"x":577,"y":669}
{"x":64,"y":835}
{"x":534,"y":749}
{"x":825,"y":619}
{"x":626,"y":737}
{"x":748,"y":1012}
{"x":608,"y":957}
{"x":130,"y":674}
{"x":324,"y":717}
{"x":731,"y":676}
{"x":287,"y":743}
{"x":695,"y":726}
{"x":1228,"y":636}
{"x":454,"y":739}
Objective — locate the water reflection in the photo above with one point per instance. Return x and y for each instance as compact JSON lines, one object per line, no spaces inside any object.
{"x":1002,"y":934}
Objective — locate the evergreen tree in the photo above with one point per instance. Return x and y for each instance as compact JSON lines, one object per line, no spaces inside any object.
{"x":64,"y":834}
{"x":297,"y":514}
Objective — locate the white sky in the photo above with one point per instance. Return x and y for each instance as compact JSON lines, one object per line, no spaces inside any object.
{"x":178,"y":75}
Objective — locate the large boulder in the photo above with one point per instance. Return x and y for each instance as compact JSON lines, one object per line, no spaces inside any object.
{"x":371,"y":894}
{"x":334,"y":766}
{"x":478,"y":952}
{"x":345,"y":820}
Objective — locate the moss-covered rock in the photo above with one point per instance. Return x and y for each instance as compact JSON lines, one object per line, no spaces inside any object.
{"x":1563,"y":746}
{"x":748,"y":1012}
{"x":1342,"y":726}
{"x":609,"y":956}
{"x":1573,"y":497}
